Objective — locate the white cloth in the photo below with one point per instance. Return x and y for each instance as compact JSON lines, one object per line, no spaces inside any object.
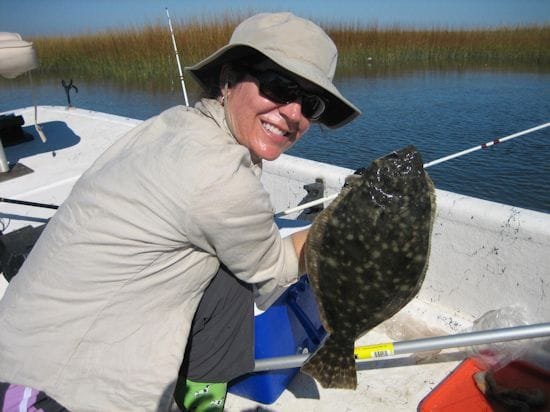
{"x":99,"y":314}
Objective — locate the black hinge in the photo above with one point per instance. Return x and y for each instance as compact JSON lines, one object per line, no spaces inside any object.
{"x":314,"y":191}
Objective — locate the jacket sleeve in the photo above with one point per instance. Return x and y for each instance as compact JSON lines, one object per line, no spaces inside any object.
{"x":231,"y":216}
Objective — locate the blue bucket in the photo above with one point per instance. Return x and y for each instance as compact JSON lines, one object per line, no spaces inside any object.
{"x":288,"y":327}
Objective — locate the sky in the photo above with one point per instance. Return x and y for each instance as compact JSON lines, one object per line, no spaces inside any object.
{"x":67,"y":17}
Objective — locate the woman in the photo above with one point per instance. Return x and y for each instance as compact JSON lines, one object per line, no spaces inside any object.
{"x":99,"y":315}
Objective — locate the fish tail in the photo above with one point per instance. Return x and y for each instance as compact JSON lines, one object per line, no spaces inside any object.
{"x":333,"y":365}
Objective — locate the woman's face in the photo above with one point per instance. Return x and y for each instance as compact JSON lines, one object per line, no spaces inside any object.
{"x":265,"y":127}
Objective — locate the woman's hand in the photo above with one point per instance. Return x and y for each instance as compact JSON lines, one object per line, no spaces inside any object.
{"x":299,"y":239}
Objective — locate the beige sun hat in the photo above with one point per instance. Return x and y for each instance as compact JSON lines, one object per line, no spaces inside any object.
{"x":297,"y":45}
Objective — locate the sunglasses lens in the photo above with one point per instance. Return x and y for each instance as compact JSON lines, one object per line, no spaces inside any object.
{"x":283,"y":90}
{"x":312,"y":106}
{"x":277,"y":88}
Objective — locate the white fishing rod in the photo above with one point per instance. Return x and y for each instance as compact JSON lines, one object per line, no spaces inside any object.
{"x":177,"y":57}
{"x":383,"y":350}
{"x":426,"y":165}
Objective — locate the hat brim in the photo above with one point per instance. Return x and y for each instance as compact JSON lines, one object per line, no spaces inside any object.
{"x":339,"y":110}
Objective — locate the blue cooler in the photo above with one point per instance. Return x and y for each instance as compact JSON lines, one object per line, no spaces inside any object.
{"x":287,"y":327}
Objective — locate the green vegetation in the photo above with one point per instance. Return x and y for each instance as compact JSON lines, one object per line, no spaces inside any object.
{"x":503,"y":48}
{"x":145,"y":55}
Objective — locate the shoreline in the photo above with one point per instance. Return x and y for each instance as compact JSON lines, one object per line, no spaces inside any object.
{"x":145,"y":54}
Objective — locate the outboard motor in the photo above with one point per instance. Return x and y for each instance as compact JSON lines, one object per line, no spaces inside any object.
{"x":17,"y":56}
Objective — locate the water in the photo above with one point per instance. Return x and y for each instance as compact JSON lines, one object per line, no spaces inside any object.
{"x":444,"y":113}
{"x":438,"y":112}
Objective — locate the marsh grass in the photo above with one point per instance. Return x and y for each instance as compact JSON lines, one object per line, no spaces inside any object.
{"x":145,"y":55}
{"x":386,"y":49}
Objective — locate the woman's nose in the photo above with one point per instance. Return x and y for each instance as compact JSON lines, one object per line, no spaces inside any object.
{"x":292,"y":111}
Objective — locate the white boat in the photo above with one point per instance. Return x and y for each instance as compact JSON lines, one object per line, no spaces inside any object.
{"x":484,"y":256}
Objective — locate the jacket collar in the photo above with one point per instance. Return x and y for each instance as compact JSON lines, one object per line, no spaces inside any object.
{"x":213,"y":109}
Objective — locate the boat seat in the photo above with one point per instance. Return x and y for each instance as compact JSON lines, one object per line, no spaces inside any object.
{"x":17,"y":56}
{"x":11,"y":132}
{"x":15,"y":247}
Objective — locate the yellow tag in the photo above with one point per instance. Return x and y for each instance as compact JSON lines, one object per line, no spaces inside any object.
{"x":374,"y":351}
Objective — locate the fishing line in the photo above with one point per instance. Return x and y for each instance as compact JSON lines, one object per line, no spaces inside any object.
{"x":484,"y":145}
{"x":426,"y":165}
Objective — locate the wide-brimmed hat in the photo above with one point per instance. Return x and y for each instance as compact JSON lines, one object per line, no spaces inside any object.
{"x":295,"y":44}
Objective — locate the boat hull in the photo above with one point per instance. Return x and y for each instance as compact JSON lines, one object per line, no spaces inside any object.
{"x":484,"y":256}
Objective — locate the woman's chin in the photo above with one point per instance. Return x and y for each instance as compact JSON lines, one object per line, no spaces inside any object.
{"x":268,"y":153}
{"x":271,"y":155}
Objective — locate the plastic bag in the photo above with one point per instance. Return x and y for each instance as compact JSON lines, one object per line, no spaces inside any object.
{"x":403,"y":326}
{"x":494,"y":356}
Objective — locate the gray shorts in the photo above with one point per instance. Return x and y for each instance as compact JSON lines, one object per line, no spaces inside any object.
{"x":221,"y":342}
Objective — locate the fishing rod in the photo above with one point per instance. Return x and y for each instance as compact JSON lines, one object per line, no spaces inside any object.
{"x":426,"y":165}
{"x":485,"y":145}
{"x":27,"y":203}
{"x":384,"y":350}
{"x":333,"y":196}
{"x":177,"y":57}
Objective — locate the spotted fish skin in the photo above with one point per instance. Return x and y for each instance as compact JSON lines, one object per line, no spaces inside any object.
{"x":366,"y":256}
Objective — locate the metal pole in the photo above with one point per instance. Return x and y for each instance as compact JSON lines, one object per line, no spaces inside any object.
{"x":4,"y":165}
{"x":37,"y":127}
{"x":419,"y":345}
{"x":426,"y":165}
{"x":177,"y":57}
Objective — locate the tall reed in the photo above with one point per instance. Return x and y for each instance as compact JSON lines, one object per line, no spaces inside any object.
{"x":506,"y":47}
{"x":145,"y":54}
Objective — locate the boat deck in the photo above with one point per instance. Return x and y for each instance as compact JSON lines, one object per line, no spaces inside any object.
{"x":76,"y":137}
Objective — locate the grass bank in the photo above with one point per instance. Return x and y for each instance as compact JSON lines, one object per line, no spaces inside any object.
{"x":146,"y":55}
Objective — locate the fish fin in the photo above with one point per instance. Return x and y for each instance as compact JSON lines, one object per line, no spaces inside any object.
{"x":333,"y":365}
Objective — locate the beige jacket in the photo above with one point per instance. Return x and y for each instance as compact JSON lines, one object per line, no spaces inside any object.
{"x":98,"y":316}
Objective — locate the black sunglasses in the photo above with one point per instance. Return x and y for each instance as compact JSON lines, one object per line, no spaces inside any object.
{"x":281,"y":89}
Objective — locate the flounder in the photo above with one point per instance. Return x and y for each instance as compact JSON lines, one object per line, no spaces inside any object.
{"x":366,"y":256}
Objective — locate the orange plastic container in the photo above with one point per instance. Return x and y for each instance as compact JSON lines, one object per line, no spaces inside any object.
{"x":459,"y":393}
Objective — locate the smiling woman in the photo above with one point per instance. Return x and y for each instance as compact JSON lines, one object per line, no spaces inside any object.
{"x":267,"y":112}
{"x":266,"y":127}
{"x":140,"y":286}
{"x":279,"y":91}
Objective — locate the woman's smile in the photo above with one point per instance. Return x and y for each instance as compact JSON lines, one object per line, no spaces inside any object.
{"x":265,"y":127}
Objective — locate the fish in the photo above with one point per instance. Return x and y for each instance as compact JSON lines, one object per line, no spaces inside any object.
{"x":366,"y":255}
